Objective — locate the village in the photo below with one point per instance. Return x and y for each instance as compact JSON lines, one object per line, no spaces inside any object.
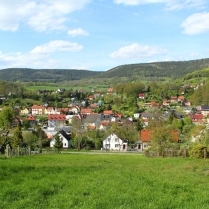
{"x":80,"y":119}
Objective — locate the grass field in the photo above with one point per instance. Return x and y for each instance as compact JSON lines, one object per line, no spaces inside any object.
{"x":55,"y":87}
{"x":111,"y":181}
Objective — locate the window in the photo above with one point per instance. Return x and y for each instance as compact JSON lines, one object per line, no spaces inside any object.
{"x":117,"y":145}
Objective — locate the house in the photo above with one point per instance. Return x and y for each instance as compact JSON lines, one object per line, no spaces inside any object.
{"x":32,"y":120}
{"x":114,"y":143}
{"x":174,"y":99}
{"x":136,"y":115}
{"x":181,"y":99}
{"x":56,"y":120}
{"x":145,"y":139}
{"x":25,"y":111}
{"x":92,"y":120}
{"x":86,"y":111}
{"x":104,"y":125}
{"x":154,"y":104}
{"x":197,"y":119}
{"x":50,"y":111}
{"x":37,"y":110}
{"x":108,"y":112}
{"x":204,"y":109}
{"x":65,"y":137}
{"x":166,"y":103}
{"x":141,"y":96}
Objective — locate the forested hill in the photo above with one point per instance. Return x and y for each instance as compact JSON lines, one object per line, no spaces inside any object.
{"x":170,"y":69}
{"x":44,"y":75}
{"x":175,"y":69}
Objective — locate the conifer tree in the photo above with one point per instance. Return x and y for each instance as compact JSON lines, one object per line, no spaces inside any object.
{"x":58,"y":143}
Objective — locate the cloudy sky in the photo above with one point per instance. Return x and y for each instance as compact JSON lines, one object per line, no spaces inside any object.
{"x":101,"y":34}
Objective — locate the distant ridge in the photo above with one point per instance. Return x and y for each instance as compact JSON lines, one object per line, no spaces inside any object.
{"x":175,"y":69}
{"x":170,"y":69}
{"x":44,"y":75}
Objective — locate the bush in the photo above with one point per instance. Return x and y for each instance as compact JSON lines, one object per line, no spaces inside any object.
{"x":197,"y":151}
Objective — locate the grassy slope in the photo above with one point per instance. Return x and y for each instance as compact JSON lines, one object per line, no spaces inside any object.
{"x":103,"y":181}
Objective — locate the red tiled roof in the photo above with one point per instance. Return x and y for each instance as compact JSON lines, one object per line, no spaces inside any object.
{"x":181,"y":98}
{"x":57,"y":117}
{"x":108,"y":112}
{"x":91,"y":127}
{"x":196,"y":116}
{"x":145,"y":135}
{"x":37,"y":107}
{"x":86,"y":110}
{"x":31,"y":117}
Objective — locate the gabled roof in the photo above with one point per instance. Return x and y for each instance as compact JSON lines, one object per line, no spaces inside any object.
{"x":57,"y":117}
{"x":196,"y":116}
{"x":86,"y":110}
{"x":91,"y":118}
{"x":108,"y":112}
{"x":31,"y":118}
{"x":64,"y":134}
{"x":37,"y":107}
{"x":145,"y":135}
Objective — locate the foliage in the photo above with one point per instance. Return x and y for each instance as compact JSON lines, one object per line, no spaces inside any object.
{"x":58,"y":143}
{"x":197,"y":151}
{"x":49,"y":75}
{"x":6,"y":117}
{"x":17,"y":137}
{"x":31,"y":139}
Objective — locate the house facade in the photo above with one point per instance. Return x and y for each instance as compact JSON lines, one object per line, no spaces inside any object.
{"x":114,"y":143}
{"x":56,"y":120}
{"x":66,"y":142}
{"x":37,"y":110}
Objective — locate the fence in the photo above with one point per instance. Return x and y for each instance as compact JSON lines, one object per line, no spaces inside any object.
{"x":18,"y":151}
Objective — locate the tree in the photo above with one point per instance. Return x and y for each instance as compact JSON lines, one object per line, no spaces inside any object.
{"x":58,"y":143}
{"x":6,"y":118}
{"x":30,"y":139}
{"x":17,"y":137}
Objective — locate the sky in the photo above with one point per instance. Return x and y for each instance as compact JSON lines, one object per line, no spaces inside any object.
{"x":98,"y":35}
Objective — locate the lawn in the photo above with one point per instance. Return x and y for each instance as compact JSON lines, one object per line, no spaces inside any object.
{"x":103,"y":181}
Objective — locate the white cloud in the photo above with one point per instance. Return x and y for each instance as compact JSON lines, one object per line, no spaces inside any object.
{"x":57,"y":45}
{"x":25,"y":60}
{"x":196,"y":24}
{"x":136,"y":51}
{"x":170,"y":4}
{"x":39,"y":57}
{"x":77,"y":32}
{"x":40,"y":15}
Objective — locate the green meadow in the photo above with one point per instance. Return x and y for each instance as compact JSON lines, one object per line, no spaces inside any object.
{"x":55,"y":87}
{"x":103,"y":181}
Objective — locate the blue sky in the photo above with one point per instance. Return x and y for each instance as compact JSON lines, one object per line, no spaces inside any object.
{"x":98,"y":35}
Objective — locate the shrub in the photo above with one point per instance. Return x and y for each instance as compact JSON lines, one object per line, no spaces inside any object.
{"x":197,"y":151}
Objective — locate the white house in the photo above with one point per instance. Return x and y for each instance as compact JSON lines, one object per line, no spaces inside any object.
{"x":114,"y":143}
{"x":65,"y":137}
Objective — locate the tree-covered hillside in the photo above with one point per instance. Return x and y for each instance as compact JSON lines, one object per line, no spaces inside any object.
{"x":129,"y":72}
{"x":44,"y":75}
{"x":158,"y":69}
